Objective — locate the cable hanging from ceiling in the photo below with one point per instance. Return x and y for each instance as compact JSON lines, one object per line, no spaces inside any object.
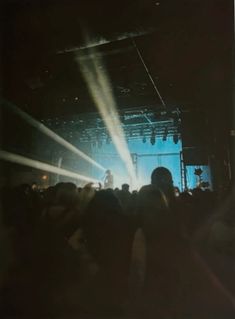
{"x":148,"y":73}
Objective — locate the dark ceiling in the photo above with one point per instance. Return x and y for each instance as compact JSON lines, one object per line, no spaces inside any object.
{"x":187,"y":46}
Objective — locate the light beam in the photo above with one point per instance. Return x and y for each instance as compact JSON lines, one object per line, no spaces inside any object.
{"x":101,"y":92}
{"x":19,"y":159}
{"x":45,"y":130}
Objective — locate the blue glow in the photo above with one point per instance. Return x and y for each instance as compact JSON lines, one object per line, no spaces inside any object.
{"x":192,"y":179}
{"x":147,"y":156}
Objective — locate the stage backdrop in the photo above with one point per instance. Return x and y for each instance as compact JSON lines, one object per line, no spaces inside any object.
{"x":145,"y":157}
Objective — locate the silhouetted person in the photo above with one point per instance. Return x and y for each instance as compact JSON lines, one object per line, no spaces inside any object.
{"x":108,"y":238}
{"x":164,"y":246}
{"x":108,"y":180}
{"x":124,"y":196}
{"x":178,"y":283}
{"x":161,"y":178}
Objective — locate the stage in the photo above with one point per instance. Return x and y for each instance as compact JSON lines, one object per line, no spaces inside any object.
{"x":154,"y":138}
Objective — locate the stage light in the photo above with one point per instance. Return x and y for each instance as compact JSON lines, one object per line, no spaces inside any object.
{"x":164,"y":138}
{"x":144,"y":139}
{"x":153,"y":137}
{"x":175,"y":138}
{"x":19,"y":159}
{"x":198,"y":171}
{"x":101,"y":91}
{"x":45,"y":130}
{"x":44,"y":177}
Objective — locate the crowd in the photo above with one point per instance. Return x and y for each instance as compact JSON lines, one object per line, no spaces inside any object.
{"x":81,"y":252}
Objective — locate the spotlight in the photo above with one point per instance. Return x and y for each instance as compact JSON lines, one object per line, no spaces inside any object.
{"x":100,"y":89}
{"x":48,"y":132}
{"x":164,"y":138}
{"x":21,"y":160}
{"x":176,"y":138}
{"x":153,"y":137}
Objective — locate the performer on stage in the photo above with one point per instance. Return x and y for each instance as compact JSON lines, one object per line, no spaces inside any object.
{"x":108,"y":179}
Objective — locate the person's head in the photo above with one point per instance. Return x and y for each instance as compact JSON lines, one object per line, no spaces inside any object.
{"x":66,"y":194}
{"x":101,"y":224}
{"x":108,"y":172}
{"x":161,"y":175}
{"x":161,"y":178}
{"x":125,"y":187}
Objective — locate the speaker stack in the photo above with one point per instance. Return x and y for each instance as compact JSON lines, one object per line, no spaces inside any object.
{"x":195,"y":137}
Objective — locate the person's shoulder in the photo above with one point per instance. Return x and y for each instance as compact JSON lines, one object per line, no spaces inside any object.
{"x":148,"y":189}
{"x":149,"y":192}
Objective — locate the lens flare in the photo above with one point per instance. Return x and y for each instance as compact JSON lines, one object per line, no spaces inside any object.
{"x":18,"y":159}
